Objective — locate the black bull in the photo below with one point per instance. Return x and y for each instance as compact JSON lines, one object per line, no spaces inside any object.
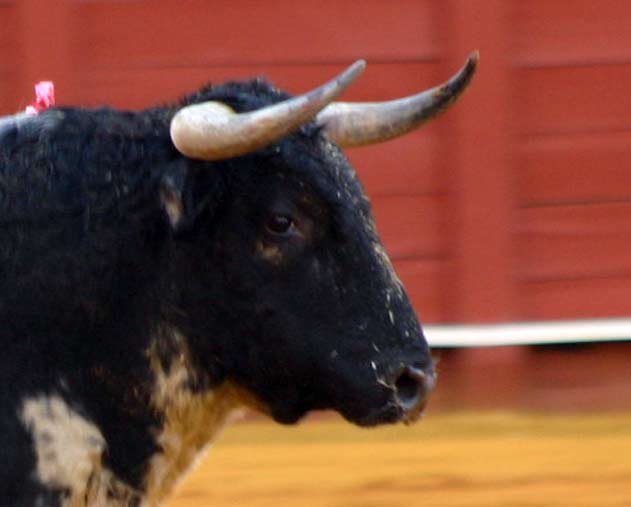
{"x":150,"y":284}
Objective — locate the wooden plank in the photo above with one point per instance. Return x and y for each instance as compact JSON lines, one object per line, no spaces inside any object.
{"x":573,"y":99}
{"x":560,"y":242}
{"x":571,"y":33}
{"x":177,"y":33}
{"x":575,"y":298}
{"x":574,"y":168}
{"x":410,"y":225}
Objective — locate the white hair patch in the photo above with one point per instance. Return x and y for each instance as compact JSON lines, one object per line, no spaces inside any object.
{"x":69,"y":448}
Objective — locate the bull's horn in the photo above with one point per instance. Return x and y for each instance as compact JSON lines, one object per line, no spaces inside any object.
{"x":354,"y":124}
{"x":213,"y":131}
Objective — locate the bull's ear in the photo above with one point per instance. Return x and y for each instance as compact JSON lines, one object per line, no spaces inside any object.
{"x":172,"y":197}
{"x":187,"y":193}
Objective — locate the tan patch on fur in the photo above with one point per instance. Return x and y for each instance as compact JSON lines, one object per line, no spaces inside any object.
{"x":69,"y":449}
{"x":172,"y":202}
{"x":271,"y":253}
{"x":192,"y":421}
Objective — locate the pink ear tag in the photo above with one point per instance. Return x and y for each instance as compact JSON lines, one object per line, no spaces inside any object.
{"x":44,"y":97}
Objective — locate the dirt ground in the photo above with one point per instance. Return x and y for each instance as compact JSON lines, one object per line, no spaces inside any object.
{"x":466,"y":459}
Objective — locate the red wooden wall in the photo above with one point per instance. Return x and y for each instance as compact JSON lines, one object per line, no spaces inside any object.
{"x":516,"y":204}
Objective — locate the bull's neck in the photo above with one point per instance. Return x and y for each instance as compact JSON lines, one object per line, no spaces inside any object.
{"x":192,"y":418}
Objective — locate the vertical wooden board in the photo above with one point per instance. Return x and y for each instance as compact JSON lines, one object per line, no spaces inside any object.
{"x":426,"y":283}
{"x":568,"y":32}
{"x":410,"y":225}
{"x":560,"y":242}
{"x":573,"y":99}
{"x":478,"y":148}
{"x":179,"y":33}
{"x":575,"y":168}
{"x":575,"y":299}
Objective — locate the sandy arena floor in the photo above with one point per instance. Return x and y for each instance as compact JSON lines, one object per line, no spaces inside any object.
{"x":467,"y":459}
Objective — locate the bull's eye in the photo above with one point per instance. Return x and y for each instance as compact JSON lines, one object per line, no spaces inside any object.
{"x":279,"y":225}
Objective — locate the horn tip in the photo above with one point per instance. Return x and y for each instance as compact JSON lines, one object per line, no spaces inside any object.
{"x":472,"y":60}
{"x":350,"y":74}
{"x":464,"y":76}
{"x":360,"y":64}
{"x":356,"y":68}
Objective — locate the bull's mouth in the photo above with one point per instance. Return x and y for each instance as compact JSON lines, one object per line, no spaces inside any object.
{"x":403,"y":400}
{"x":390,"y":413}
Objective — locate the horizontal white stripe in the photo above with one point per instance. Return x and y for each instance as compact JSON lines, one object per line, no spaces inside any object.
{"x":528,"y":333}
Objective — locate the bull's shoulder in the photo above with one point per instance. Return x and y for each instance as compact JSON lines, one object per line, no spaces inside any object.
{"x":68,"y":449}
{"x":78,"y":188}
{"x":106,"y":439}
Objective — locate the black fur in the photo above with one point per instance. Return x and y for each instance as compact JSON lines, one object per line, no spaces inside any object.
{"x":91,"y":272}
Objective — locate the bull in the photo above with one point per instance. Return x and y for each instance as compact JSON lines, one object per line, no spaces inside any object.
{"x":160,"y":269}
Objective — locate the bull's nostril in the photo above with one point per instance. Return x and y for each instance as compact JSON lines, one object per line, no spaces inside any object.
{"x":411,"y":387}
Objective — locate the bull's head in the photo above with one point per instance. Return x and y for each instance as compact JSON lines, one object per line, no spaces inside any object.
{"x":287,"y":290}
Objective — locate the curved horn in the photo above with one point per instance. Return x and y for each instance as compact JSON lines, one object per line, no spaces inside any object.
{"x":213,"y":131}
{"x":354,"y":124}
